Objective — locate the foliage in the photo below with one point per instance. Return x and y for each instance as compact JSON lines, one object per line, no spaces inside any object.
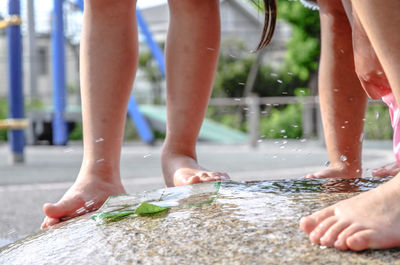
{"x":228,"y":116}
{"x":377,"y":123}
{"x":3,"y":115}
{"x":77,"y":133}
{"x":232,"y":75}
{"x":284,"y":123}
{"x":303,"y":48}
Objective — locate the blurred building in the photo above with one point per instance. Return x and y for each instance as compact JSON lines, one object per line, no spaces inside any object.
{"x":241,"y":24}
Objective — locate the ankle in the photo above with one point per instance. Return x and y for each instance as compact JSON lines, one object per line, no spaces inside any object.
{"x":100,"y":170}
{"x":348,"y":169}
{"x":173,"y":150}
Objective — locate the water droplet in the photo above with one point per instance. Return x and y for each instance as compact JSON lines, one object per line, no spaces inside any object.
{"x":289,"y":73}
{"x":211,"y":49}
{"x":346,"y":122}
{"x":274,"y":74}
{"x":302,"y":91}
{"x":336,"y":90}
{"x":98,"y":140}
{"x":100,"y":160}
{"x":343,"y":158}
{"x":361,"y":137}
{"x":282,"y":147}
{"x":236,"y":99}
{"x":241,"y":84}
{"x":323,"y":247}
{"x":295,"y":125}
{"x":274,"y":156}
{"x":358,"y":170}
{"x":80,"y":210}
{"x":89,"y":203}
{"x":377,"y":115}
{"x":279,"y":81}
{"x":343,"y":127}
{"x":284,"y":93}
{"x":146,"y":155}
{"x":285,"y":136}
{"x":303,"y":140}
{"x":283,"y":131}
{"x":259,"y":140}
{"x":327,"y":163}
{"x":341,"y":51}
{"x":351,"y":99}
{"x":379,"y":72}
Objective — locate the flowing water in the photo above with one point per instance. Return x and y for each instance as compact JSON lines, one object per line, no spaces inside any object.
{"x":223,"y":223}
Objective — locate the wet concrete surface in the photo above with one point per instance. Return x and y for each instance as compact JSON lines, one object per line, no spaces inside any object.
{"x":50,"y":171}
{"x":234,"y":223}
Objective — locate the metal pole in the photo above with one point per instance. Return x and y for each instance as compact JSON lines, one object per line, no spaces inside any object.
{"x":15,"y":92}
{"x":32,"y":52}
{"x":253,"y":101}
{"x":60,"y":133}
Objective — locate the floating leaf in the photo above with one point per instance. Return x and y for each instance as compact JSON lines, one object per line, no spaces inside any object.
{"x":146,"y":208}
{"x":112,"y":216}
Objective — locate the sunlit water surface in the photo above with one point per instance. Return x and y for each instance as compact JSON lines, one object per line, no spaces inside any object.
{"x":224,"y":223}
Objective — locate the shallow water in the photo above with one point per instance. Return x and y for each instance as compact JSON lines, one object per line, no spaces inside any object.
{"x":227,"y":223}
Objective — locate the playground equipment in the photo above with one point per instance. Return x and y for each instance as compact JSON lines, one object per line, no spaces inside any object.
{"x":16,"y":121}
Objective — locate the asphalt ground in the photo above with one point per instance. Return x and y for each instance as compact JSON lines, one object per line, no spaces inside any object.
{"x":49,"y":170}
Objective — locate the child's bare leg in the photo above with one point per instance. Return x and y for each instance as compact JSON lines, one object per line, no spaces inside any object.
{"x":372,"y":78}
{"x":108,"y":65}
{"x":342,"y":99}
{"x":371,"y":219}
{"x":191,"y":55}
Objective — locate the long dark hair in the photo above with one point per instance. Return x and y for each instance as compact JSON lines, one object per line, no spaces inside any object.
{"x":269,"y":23}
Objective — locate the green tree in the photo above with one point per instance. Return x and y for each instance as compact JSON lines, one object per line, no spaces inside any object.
{"x":303,"y":48}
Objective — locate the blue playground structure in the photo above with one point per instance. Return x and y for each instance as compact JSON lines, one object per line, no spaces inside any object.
{"x":15,"y":92}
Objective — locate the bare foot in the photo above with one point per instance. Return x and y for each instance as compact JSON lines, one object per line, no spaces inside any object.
{"x":181,"y":170}
{"x":85,"y":195}
{"x":342,"y":173}
{"x":387,"y":170}
{"x":370,"y":220}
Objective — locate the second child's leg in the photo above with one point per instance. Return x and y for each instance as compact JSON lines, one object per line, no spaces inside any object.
{"x":192,"y":50}
{"x":108,"y":66}
{"x":372,"y":219}
{"x":342,"y":98}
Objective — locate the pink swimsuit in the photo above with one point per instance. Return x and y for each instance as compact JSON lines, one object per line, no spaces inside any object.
{"x":395,"y":119}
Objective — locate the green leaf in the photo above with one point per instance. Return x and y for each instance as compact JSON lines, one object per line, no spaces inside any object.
{"x":146,"y":208}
